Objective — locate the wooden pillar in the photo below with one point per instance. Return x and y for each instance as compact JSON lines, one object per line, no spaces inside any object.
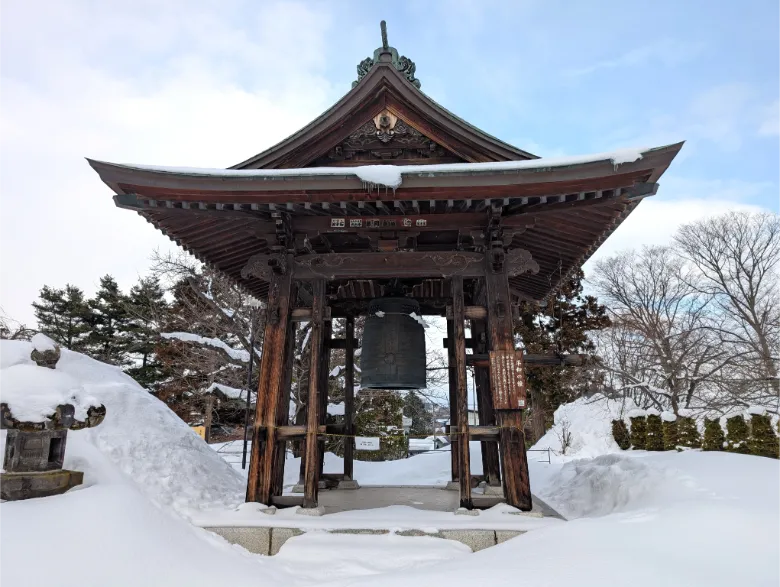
{"x":311,"y":476}
{"x":490,"y":463}
{"x":453,"y":386}
{"x":514,"y":464}
{"x":283,"y":410}
{"x":462,"y":401}
{"x":327,"y":335}
{"x":349,"y":400}
{"x":264,"y":446}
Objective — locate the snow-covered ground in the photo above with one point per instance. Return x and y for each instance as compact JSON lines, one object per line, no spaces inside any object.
{"x":636,"y":518}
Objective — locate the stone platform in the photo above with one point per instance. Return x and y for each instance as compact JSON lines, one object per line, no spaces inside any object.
{"x":378,"y":510}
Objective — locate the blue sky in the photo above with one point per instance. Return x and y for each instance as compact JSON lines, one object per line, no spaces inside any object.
{"x":209,"y":83}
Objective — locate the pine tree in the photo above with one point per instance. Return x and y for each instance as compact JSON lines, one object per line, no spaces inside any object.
{"x":737,"y":434}
{"x":146,"y":308}
{"x":414,"y":408}
{"x":687,"y":432}
{"x":714,"y":439}
{"x":379,"y":413}
{"x":620,"y":434}
{"x":562,"y":325}
{"x":670,"y":434}
{"x":109,"y":319}
{"x":639,"y":433}
{"x":763,"y":441}
{"x":63,"y":315}
{"x":655,"y":433}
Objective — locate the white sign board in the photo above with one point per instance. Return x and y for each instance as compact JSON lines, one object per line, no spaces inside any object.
{"x":366,"y":443}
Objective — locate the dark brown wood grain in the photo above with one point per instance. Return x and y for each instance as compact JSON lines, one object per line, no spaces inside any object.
{"x":490,"y":461}
{"x":452,"y":381}
{"x":269,"y":393}
{"x":312,"y":449}
{"x":461,"y":390}
{"x":514,"y":464}
{"x":349,"y":398}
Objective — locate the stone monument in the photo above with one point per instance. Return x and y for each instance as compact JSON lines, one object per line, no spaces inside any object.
{"x":35,"y":450}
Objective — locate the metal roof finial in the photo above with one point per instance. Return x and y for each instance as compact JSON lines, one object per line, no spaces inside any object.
{"x":383,"y":28}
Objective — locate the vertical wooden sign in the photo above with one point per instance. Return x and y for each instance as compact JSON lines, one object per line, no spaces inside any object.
{"x":507,"y":378}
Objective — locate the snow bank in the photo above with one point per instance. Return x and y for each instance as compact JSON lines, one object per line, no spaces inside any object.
{"x":33,"y":393}
{"x":589,"y":421}
{"x":140,"y":435}
{"x":313,"y":554}
{"x":604,"y":485}
{"x":111,"y":536}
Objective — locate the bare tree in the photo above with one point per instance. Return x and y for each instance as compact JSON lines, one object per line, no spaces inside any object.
{"x":736,"y":257}
{"x":663,"y":343}
{"x":11,"y":329}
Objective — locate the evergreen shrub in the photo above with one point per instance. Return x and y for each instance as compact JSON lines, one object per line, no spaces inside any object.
{"x":620,"y":434}
{"x":688,"y":434}
{"x":763,"y":441}
{"x":737,"y":434}
{"x":655,"y":433}
{"x":638,"y":433}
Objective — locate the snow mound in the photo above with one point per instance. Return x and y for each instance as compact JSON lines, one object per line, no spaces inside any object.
{"x":140,"y":435}
{"x":668,"y":416}
{"x":589,"y":422}
{"x":33,"y":393}
{"x":604,"y":485}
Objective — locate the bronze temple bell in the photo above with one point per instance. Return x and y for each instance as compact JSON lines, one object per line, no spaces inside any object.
{"x":393,"y":355}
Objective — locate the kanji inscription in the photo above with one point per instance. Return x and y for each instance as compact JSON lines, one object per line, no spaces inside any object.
{"x":507,"y":379}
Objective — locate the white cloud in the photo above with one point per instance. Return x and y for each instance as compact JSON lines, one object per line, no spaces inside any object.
{"x":668,"y":52}
{"x":770,"y":125}
{"x":214,"y":105}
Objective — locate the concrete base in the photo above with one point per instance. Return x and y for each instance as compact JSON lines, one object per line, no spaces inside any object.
{"x":298,"y":487}
{"x":493,"y":491}
{"x":269,"y":541}
{"x":28,"y":485}
{"x":452,"y":486}
{"x":348,"y":484}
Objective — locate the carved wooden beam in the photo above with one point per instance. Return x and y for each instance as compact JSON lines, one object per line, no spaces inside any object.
{"x":392,"y":264}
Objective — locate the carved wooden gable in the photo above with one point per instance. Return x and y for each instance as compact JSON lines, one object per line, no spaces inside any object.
{"x":386,"y":138}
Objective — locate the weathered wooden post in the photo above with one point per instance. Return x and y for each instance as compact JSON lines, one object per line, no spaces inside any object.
{"x":349,"y":400}
{"x":265,"y":447}
{"x":459,"y":354}
{"x":311,"y":477}
{"x":507,"y":386}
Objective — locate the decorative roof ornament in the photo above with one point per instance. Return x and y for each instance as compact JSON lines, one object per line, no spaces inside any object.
{"x":402,"y":63}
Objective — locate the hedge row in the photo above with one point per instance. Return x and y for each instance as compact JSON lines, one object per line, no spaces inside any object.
{"x":652,"y":433}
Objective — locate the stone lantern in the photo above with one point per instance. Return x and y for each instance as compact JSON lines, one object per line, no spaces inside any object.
{"x":34,"y":451}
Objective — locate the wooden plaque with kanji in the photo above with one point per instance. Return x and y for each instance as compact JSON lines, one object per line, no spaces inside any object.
{"x":507,"y":379}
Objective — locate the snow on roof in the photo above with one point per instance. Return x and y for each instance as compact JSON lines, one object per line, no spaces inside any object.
{"x":235,"y":354}
{"x":33,"y":393}
{"x":392,"y":175}
{"x":231,"y":392}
